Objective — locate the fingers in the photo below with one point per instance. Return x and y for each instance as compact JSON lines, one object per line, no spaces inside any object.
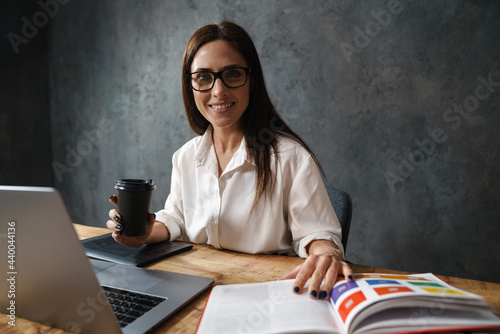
{"x":306,"y":270}
{"x":291,"y":274}
{"x":114,"y":199}
{"x":322,"y":273}
{"x":324,"y":277}
{"x":347,"y":271}
{"x":119,"y":238}
{"x":114,"y":226}
{"x":114,"y":223}
{"x":115,"y":215}
{"x":335,"y":269}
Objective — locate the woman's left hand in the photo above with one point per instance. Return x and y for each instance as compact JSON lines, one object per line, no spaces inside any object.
{"x":324,"y":263}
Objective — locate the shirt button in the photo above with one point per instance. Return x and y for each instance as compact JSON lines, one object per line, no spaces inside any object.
{"x":214,"y":223}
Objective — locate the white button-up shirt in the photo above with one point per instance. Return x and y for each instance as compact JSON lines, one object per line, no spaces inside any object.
{"x":205,"y":208}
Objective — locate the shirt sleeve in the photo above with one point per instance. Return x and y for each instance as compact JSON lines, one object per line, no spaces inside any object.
{"x":172,"y":214}
{"x":310,"y":213}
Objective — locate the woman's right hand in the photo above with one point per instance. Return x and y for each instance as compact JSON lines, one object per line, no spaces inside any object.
{"x":114,"y":225}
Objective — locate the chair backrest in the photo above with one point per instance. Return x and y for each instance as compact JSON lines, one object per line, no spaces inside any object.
{"x":342,"y":205}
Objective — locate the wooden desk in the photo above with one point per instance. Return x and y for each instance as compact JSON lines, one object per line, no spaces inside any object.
{"x":227,"y":267}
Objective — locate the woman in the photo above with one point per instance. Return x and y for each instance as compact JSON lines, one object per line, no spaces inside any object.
{"x":247,"y":183}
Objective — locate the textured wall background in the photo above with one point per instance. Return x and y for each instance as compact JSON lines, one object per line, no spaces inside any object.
{"x":25,"y":141}
{"x":399,"y":99}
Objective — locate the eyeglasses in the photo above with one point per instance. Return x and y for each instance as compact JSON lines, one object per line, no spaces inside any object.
{"x":203,"y":81}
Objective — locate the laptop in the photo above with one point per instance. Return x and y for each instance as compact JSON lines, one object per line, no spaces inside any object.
{"x":50,"y":280}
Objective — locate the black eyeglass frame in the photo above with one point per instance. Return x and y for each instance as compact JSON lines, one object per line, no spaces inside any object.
{"x":219,"y":75}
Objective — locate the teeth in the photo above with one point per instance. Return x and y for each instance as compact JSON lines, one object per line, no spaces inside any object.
{"x":221,"y":106}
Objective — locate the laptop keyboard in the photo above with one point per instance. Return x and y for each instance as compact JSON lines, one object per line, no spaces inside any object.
{"x":128,"y":305}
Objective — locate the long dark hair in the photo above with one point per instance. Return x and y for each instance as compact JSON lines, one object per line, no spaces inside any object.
{"x":261,"y":123}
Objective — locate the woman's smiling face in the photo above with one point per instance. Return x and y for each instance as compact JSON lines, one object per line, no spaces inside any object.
{"x":221,"y":106}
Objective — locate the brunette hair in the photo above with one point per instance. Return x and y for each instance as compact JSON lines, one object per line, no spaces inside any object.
{"x":261,"y":123}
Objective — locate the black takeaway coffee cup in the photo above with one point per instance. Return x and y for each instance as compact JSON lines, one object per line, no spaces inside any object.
{"x":134,"y":201}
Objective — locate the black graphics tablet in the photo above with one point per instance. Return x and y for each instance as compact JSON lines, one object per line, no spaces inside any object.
{"x":104,"y":247}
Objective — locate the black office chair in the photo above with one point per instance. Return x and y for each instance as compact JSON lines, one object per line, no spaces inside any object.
{"x":342,"y":205}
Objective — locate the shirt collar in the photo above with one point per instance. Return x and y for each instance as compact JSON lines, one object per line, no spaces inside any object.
{"x":241,"y":154}
{"x":205,"y":146}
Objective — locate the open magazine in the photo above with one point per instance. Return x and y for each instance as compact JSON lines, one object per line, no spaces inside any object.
{"x":373,"y":303}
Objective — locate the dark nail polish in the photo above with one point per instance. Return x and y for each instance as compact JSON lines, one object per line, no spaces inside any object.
{"x":118,"y":227}
{"x":314,"y":294}
{"x":110,"y":197}
{"x":322,"y":295}
{"x":350,"y":278}
{"x":116,"y":218}
{"x":296,"y":289}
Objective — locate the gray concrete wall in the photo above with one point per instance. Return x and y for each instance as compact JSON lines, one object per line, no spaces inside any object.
{"x":25,"y":136}
{"x":399,"y":99}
